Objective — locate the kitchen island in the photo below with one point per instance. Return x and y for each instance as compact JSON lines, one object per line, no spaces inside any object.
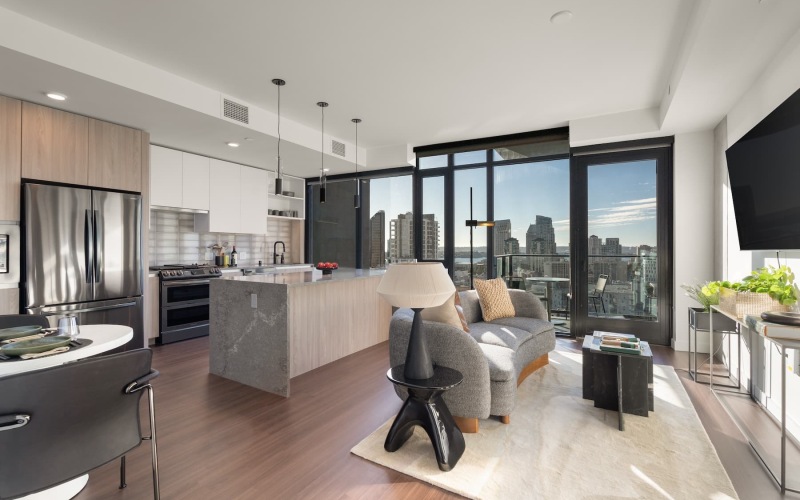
{"x":266,"y":329}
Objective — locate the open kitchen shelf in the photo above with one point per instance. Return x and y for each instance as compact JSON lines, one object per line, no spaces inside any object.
{"x":280,"y":202}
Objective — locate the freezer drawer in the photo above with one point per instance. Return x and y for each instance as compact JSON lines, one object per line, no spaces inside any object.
{"x":126,"y":312}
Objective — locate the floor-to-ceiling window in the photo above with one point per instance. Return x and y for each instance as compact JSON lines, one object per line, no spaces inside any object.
{"x":390,"y":211}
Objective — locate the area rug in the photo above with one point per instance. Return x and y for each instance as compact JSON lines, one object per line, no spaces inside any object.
{"x":559,"y":445}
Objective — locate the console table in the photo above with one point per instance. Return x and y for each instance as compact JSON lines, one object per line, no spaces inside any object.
{"x":750,"y":325}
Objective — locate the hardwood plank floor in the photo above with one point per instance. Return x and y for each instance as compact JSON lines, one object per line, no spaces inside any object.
{"x":218,"y":439}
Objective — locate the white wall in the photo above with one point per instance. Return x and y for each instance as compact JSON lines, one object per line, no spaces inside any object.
{"x":693,"y":230}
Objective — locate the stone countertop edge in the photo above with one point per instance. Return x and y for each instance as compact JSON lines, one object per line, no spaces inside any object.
{"x":315,"y":277}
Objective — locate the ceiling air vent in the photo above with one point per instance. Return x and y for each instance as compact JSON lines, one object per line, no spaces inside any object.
{"x":337,"y":148}
{"x":235,"y":111}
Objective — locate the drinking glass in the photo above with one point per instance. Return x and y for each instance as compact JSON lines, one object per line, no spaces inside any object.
{"x":68,"y":326}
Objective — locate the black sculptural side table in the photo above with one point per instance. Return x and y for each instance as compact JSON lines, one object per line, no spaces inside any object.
{"x":425,"y":407}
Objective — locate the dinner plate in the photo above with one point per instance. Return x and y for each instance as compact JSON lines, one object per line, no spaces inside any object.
{"x":19,"y":331}
{"x":36,"y":345}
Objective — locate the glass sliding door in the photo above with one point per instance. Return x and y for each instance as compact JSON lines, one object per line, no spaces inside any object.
{"x":623,"y":237}
{"x":531,"y":232}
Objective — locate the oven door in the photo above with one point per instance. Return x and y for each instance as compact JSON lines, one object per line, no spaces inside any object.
{"x":184,"y":292}
{"x":184,"y":317}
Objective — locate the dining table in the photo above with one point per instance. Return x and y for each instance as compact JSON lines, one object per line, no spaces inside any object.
{"x":104,"y":338}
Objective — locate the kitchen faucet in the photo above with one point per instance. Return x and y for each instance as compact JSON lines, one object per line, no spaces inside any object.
{"x":275,"y":252}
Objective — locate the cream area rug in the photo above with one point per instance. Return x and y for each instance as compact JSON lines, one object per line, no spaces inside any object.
{"x":559,"y":445}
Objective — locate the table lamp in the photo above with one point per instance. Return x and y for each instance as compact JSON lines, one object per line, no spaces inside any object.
{"x":416,"y":285}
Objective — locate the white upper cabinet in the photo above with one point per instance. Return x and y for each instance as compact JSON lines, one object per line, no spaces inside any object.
{"x":224,"y":209}
{"x":166,"y":177}
{"x":253,"y":201}
{"x":196,"y":181}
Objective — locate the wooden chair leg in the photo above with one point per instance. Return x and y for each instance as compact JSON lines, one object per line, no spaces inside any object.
{"x":506,"y":419}
{"x":467,"y":425}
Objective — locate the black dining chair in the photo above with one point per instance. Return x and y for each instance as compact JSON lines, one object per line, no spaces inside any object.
{"x":59,"y":423}
{"x":12,"y":320}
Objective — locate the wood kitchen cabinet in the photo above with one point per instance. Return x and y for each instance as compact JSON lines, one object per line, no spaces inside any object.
{"x":55,"y":145}
{"x":166,"y":176}
{"x":252,"y":201}
{"x":115,"y":156}
{"x":225,"y":205}
{"x":152,"y":307}
{"x":10,"y":157}
{"x":196,"y":182}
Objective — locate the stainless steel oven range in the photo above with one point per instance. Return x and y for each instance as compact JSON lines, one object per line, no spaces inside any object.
{"x":184,"y":301}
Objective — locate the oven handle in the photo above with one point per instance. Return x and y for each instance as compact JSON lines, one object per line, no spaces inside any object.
{"x":185,"y":282}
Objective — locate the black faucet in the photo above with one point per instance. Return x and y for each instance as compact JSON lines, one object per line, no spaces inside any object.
{"x":275,"y":252}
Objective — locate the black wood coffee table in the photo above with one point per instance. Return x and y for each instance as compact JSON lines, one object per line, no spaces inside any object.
{"x":618,"y":381}
{"x":424,"y":407}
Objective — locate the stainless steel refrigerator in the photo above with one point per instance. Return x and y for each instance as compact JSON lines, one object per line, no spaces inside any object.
{"x":83,"y":256}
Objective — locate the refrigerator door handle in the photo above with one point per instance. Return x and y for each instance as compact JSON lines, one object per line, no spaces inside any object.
{"x":89,"y":309}
{"x":88,"y":242}
{"x":98,"y":253}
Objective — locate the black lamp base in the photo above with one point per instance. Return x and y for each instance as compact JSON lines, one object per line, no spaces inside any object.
{"x":418,"y":361}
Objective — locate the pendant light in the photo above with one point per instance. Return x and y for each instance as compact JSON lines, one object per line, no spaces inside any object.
{"x":357,"y":197}
{"x":279,"y":178}
{"x":323,"y":178}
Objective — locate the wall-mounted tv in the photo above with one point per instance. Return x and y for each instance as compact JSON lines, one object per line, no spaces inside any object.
{"x":764,"y":171}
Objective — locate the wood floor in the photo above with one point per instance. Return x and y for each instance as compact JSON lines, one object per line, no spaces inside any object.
{"x":218,"y":439}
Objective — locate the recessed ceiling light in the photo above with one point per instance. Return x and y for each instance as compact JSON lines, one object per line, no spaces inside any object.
{"x":56,"y":96}
{"x":326,"y":170}
{"x":561,"y":17}
{"x":233,"y":144}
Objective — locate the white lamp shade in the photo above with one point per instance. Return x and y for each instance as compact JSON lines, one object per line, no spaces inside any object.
{"x":416,"y":285}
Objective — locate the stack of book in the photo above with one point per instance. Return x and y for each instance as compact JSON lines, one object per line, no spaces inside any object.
{"x":623,"y":344}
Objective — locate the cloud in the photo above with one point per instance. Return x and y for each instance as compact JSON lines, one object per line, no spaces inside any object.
{"x":624,"y":213}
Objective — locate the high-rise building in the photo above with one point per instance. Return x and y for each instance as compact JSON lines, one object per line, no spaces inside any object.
{"x":502,"y":232}
{"x":401,"y":237}
{"x":595,"y":246}
{"x":612,"y":247}
{"x":430,"y":237}
{"x":540,"y":239}
{"x":557,"y":269}
{"x":377,"y":239}
{"x":510,"y":246}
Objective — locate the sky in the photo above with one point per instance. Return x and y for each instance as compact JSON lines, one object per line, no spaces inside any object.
{"x":622,"y":200}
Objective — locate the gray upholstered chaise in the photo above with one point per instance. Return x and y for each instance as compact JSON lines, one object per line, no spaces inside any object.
{"x":494,"y":357}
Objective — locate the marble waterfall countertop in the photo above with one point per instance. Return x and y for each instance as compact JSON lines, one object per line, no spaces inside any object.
{"x":305,"y":277}
{"x":268,"y":328}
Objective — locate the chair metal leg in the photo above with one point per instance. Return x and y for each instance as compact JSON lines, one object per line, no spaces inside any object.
{"x":602,"y":303}
{"x":122,"y":483}
{"x":156,"y":488}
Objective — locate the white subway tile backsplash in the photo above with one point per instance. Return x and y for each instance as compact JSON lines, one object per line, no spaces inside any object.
{"x":174,"y":241}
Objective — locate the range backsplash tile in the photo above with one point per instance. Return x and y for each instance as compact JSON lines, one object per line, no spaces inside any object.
{"x":173,"y":240}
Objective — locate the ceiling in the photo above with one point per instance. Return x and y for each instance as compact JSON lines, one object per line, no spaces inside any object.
{"x":416,"y":72}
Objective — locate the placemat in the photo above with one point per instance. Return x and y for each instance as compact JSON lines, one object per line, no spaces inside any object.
{"x":73,"y":346}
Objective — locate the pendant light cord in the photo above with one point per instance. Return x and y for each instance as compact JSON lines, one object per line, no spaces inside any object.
{"x":279,"y":126}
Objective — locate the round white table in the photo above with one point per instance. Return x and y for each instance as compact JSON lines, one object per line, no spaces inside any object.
{"x":104,"y":338}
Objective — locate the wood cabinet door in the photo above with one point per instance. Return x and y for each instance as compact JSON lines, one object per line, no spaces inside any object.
{"x":196,"y":181}
{"x":115,"y":156}
{"x":253,"y":201}
{"x":10,"y":157}
{"x":166,"y":177}
{"x":55,"y":145}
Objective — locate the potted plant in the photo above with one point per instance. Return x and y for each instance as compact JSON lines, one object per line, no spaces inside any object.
{"x":765,"y":289}
{"x":707,"y":295}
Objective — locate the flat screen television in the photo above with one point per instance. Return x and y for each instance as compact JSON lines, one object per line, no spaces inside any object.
{"x":764,"y":171}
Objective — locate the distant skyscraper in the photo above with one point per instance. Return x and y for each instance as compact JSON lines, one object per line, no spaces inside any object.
{"x":377,"y":239}
{"x":401,"y":237}
{"x":510,"y":246}
{"x":541,"y":237}
{"x":595,"y":246}
{"x":502,"y":232}
{"x":430,"y":237}
{"x":612,"y":247}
